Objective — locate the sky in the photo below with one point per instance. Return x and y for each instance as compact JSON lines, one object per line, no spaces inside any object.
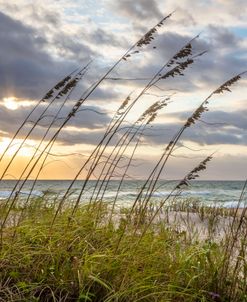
{"x":43,"y":41}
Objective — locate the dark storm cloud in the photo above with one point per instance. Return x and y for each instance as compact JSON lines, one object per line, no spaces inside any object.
{"x":70,"y":48}
{"x":219,"y":63}
{"x":222,"y":119}
{"x":85,"y":137}
{"x":30,"y":68}
{"x":90,"y":123}
{"x":204,"y":136}
{"x":225,"y":50}
{"x":26,"y":67}
{"x":27,"y":70}
{"x":221,"y":128}
{"x":218,"y":127}
{"x":226,"y":128}
{"x":89,"y":117}
{"x":222,"y":36}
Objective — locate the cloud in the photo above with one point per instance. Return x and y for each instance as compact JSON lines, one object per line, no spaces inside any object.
{"x":28,"y":68}
{"x":59,"y":46}
{"x":140,"y":10}
{"x":89,"y":119}
{"x":42,"y":42}
{"x":218,"y":127}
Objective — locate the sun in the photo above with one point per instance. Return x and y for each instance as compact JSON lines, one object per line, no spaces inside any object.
{"x":10,"y":103}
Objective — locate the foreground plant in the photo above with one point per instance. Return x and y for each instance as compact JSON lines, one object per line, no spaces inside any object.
{"x":80,"y":262}
{"x":56,"y":250}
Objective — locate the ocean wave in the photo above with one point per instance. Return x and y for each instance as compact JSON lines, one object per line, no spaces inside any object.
{"x":184,"y":193}
{"x":157,"y":194}
{"x":233,"y":204}
{"x":6,"y":194}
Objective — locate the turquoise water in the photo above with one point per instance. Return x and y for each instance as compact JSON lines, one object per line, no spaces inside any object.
{"x":220,"y":193}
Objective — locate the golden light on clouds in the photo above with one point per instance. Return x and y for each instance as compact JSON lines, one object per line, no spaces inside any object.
{"x":34,"y":67}
{"x":14,"y":103}
{"x":26,"y":151}
{"x":10,"y":103}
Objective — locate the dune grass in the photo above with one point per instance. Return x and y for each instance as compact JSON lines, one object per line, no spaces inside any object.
{"x":86,"y":258}
{"x":69,"y":251}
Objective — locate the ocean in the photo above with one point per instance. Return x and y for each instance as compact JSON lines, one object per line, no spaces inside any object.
{"x":210,"y":193}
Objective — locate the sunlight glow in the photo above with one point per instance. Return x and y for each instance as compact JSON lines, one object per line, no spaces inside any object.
{"x":10,"y":103}
{"x":13,"y":103}
{"x":26,"y":150}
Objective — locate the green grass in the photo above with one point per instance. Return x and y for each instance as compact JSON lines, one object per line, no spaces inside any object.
{"x":54,"y":251}
{"x":88,"y":259}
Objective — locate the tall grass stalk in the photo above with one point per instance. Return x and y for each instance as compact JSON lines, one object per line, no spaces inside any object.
{"x":177,"y":70}
{"x":53,"y":249}
{"x":45,"y":98}
{"x":150,"y":184}
{"x":146,"y":118}
{"x":61,"y":86}
{"x":146,"y":39}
